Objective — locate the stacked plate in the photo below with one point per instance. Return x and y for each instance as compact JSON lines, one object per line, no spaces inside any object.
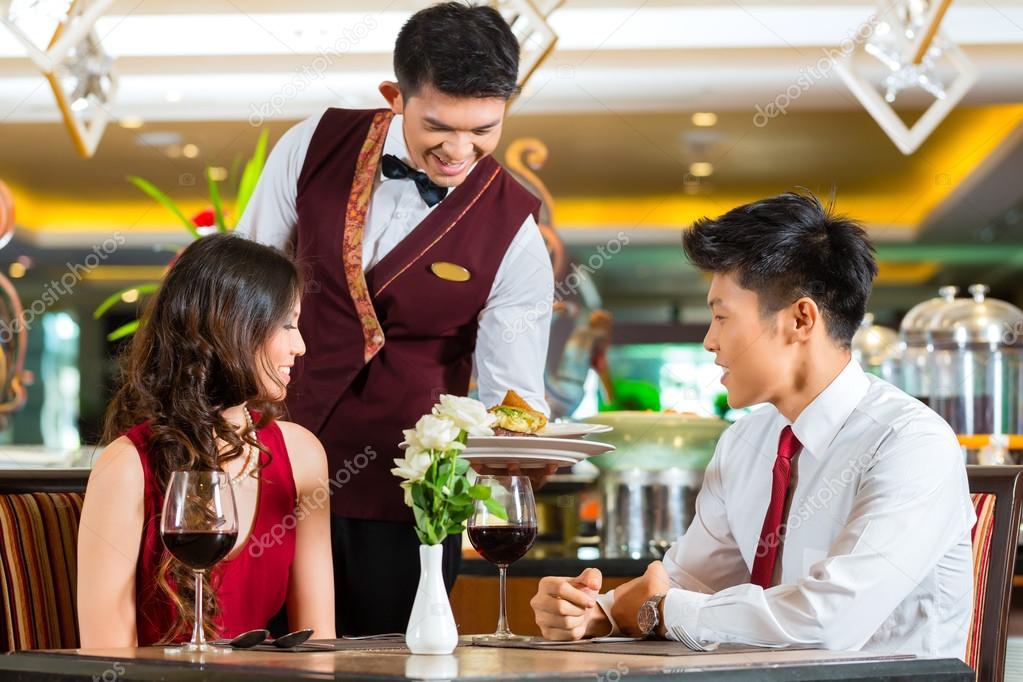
{"x":530,"y":452}
{"x":559,"y":443}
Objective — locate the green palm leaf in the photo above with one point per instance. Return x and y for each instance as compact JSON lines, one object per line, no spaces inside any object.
{"x":218,"y":212}
{"x":164,"y":200}
{"x":124,"y":330}
{"x":115,"y":298}
{"x":250,"y":176}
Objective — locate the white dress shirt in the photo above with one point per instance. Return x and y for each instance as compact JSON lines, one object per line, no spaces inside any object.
{"x":514,"y":326}
{"x":878,"y":554}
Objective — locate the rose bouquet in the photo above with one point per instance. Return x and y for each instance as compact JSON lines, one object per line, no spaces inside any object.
{"x":438,"y":485}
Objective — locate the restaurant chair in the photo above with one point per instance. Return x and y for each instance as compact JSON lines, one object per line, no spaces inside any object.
{"x":39,"y":515}
{"x":997,"y":493}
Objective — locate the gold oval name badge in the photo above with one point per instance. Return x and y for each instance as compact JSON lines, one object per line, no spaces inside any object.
{"x":450,"y":272}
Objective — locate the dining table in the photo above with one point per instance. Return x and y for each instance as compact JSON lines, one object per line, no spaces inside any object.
{"x":391,"y":660}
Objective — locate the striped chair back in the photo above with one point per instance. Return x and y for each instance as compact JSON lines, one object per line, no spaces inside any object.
{"x":39,"y":518}
{"x":984,"y":505}
{"x":997,"y":493}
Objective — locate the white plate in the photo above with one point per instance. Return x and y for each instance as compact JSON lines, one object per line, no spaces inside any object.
{"x":532,"y":452}
{"x":524,"y":460}
{"x":515,"y":444}
{"x":572,"y":430}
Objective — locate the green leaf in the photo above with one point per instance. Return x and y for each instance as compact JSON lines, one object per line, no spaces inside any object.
{"x":462,"y":514}
{"x":250,"y":176}
{"x":124,"y":330}
{"x":218,"y":211}
{"x":165,"y":201}
{"x":431,"y":535}
{"x":417,"y":496}
{"x":422,"y":521}
{"x":115,"y":298}
{"x":234,"y":175}
{"x":455,"y":529}
{"x":461,"y":500}
{"x":444,"y":470}
{"x":496,"y":508}
{"x":461,"y":466}
{"x":479,"y":492}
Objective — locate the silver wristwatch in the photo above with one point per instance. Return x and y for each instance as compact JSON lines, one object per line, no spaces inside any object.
{"x":649,"y":616}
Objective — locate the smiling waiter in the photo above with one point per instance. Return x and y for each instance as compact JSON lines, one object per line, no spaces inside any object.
{"x":420,"y":253}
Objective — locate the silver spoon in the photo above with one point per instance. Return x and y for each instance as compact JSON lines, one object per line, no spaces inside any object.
{"x":293,"y":639}
{"x":249,"y":639}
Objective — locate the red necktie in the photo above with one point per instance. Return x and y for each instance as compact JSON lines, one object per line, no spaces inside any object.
{"x":770,"y":535}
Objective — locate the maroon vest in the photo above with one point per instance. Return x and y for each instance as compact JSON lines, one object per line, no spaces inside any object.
{"x":382,"y":346}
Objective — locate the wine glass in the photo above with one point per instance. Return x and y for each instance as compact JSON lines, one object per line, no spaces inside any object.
{"x":503,"y":541}
{"x":199,"y":527}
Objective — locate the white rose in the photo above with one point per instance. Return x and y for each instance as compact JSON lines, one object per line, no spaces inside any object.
{"x":412,"y":439}
{"x":436,"y":433}
{"x":467,"y":414}
{"x":413,"y":466}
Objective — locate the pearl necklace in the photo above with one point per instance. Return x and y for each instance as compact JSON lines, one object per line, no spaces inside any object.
{"x":252,"y":453}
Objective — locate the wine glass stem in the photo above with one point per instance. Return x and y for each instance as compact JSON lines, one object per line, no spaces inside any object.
{"x":502,"y":617}
{"x":198,"y":630}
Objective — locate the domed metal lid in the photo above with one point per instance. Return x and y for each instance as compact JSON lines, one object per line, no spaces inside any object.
{"x":873,"y":344}
{"x":921,"y":317}
{"x":978,"y":320}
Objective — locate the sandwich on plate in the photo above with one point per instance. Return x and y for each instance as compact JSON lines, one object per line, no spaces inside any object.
{"x":515,"y":417}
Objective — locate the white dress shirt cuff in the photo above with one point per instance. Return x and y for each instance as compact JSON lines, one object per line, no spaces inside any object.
{"x":681,"y":613}
{"x":606,"y":602}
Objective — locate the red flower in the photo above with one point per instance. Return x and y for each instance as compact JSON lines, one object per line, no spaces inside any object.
{"x":205,"y":218}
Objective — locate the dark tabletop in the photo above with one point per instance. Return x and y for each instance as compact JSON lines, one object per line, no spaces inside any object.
{"x":472,"y":663}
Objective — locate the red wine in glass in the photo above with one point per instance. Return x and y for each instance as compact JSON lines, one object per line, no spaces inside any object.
{"x":199,"y":526}
{"x":199,"y":549}
{"x":502,"y":544}
{"x":502,"y":529}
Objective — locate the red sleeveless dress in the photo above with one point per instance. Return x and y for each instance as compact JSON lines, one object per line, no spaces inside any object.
{"x":251,"y":587}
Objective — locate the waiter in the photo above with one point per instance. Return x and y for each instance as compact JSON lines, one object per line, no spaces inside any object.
{"x":421,"y":254}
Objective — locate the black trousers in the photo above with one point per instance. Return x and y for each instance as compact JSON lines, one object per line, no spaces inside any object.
{"x":376,"y":573}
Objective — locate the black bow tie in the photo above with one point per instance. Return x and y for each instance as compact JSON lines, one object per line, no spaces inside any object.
{"x":396,"y":169}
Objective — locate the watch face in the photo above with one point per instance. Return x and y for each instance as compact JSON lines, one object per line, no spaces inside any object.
{"x":647,"y":619}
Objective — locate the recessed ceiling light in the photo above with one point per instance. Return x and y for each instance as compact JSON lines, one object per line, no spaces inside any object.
{"x":705,"y":119}
{"x":218,"y":173}
{"x":130,"y":296}
{"x":190,"y":151}
{"x":131,"y":122}
{"x":701,"y":169}
{"x":157,"y":138}
{"x":16,"y":270}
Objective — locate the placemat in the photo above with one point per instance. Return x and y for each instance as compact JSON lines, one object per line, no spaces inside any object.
{"x":646,"y":647}
{"x":337,"y":645}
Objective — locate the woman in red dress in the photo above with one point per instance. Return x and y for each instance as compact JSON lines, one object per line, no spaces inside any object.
{"x":202,"y":388}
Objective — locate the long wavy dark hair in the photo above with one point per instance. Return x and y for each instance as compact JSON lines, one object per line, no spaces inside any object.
{"x":197,"y":353}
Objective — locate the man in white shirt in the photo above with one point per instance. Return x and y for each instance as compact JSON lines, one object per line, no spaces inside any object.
{"x":838,"y":515}
{"x":423,"y":258}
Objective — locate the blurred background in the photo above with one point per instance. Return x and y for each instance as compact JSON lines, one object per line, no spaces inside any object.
{"x":130,"y":127}
{"x":635,"y":119}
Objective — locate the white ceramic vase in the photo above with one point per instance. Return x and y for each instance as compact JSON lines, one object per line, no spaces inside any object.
{"x":431,"y":627}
